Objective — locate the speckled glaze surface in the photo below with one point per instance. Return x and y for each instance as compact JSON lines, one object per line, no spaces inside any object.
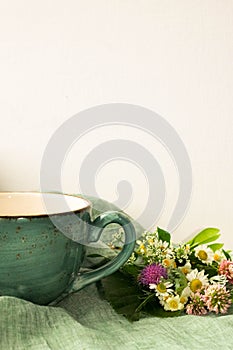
{"x":41,"y":264}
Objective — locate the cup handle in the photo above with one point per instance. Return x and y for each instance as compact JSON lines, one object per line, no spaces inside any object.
{"x":96,"y":229}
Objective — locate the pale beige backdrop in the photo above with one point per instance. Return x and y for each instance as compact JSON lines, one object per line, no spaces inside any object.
{"x":174,"y":57}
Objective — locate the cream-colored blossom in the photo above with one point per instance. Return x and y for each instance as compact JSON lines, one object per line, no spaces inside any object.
{"x":186,"y":268}
{"x":205,"y":254}
{"x":185,"y":295}
{"x":173,"y":304}
{"x":197,"y":280}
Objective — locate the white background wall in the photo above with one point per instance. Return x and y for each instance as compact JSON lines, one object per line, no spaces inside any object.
{"x":174,"y":57}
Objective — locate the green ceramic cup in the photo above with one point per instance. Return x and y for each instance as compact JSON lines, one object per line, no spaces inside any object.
{"x":42,"y":245}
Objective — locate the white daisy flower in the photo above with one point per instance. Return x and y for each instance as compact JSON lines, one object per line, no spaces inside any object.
{"x":173,"y":304}
{"x":219,"y":279}
{"x":204,"y":253}
{"x":197,"y":280}
{"x":167,"y":262}
{"x":163,"y":245}
{"x":186,"y":268}
{"x":162,"y":288}
{"x":162,"y":300}
{"x":185,"y":295}
{"x":218,"y":256}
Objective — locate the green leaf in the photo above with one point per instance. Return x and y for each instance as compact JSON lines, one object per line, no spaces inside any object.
{"x":180,"y":282}
{"x":205,"y":236}
{"x":216,"y":246}
{"x":131,"y":269}
{"x":210,"y":270}
{"x":164,"y":235}
{"x":227,"y":255}
{"x":145,"y":301}
{"x":123,"y":294}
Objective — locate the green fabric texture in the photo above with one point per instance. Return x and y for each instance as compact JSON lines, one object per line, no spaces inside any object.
{"x":84,"y":321}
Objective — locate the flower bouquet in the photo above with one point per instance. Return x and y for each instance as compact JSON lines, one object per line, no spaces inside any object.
{"x":166,"y":279}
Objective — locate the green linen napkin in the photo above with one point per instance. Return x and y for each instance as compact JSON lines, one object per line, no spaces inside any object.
{"x":84,"y":321}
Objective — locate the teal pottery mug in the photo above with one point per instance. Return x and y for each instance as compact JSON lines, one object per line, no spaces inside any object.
{"x":43,"y":239}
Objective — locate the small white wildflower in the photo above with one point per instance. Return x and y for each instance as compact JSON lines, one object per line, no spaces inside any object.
{"x":173,"y":304}
{"x":197,"y":280}
{"x":162,"y":288}
{"x":205,"y":254}
{"x":218,"y":256}
{"x":185,"y":295}
{"x":219,"y":279}
{"x":186,"y":268}
{"x":167,"y":262}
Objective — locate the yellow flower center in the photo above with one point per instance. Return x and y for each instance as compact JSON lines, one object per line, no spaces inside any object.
{"x":173,"y":304}
{"x":185,"y":270}
{"x":195,"y":285}
{"x":216,"y":257}
{"x":142,"y":248}
{"x":202,"y":255}
{"x":161,"y":288}
{"x":167,"y":262}
{"x":183,"y":299}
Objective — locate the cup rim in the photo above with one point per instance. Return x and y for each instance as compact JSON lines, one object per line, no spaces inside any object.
{"x":88,"y":206}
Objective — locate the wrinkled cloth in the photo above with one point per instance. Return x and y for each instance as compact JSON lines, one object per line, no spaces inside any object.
{"x":83,"y":321}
